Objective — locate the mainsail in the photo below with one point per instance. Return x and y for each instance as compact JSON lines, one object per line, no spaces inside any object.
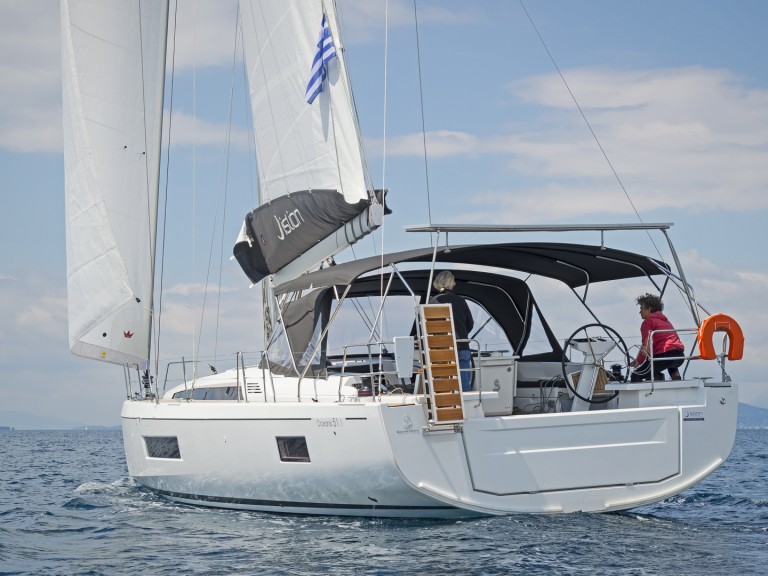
{"x":113,"y":66}
{"x":315,"y":197}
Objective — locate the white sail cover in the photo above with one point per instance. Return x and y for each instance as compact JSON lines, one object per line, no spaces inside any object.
{"x":113,"y":60}
{"x":300,"y":146}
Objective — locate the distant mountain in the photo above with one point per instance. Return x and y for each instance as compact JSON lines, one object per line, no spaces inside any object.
{"x":27,"y":421}
{"x":752,"y":416}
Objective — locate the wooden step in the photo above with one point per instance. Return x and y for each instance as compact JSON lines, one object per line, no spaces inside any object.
{"x":441,"y":363}
{"x":441,"y":371}
{"x":445,"y":385}
{"x":448,"y":399}
{"x":439,"y":311}
{"x":449,"y":414}
{"x":441,"y":356}
{"x":439,"y":327}
{"x":440,"y":341}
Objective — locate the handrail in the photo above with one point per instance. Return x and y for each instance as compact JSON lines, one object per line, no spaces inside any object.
{"x":538,"y":228}
{"x":688,"y":357}
{"x":649,"y":353}
{"x":476,"y":369}
{"x":373,"y":374}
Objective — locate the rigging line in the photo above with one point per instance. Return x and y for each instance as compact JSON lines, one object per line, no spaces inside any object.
{"x":193,"y":243}
{"x":335,"y":25}
{"x":367,"y":300}
{"x":222,"y":191}
{"x":165,"y":200}
{"x":384,"y":149}
{"x":364,"y":315}
{"x":589,"y":126}
{"x":146,"y":172}
{"x":423,"y":123}
{"x":347,"y":83}
{"x":253,"y":167}
{"x":332,"y":124}
{"x":354,"y":257}
{"x":301,"y":147}
{"x":341,"y":58}
{"x":265,"y":82}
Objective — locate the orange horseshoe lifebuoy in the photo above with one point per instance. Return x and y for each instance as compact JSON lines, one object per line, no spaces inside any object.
{"x":720,"y":323}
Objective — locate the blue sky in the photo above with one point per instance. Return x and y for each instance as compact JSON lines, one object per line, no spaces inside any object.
{"x":676,"y":91}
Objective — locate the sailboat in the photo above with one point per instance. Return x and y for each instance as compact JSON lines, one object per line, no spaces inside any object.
{"x":380,"y":426}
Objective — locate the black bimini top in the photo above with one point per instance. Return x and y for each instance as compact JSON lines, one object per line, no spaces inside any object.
{"x":573,"y":264}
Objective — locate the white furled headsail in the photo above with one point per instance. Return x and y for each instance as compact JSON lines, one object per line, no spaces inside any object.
{"x":315,"y":198}
{"x":113,"y":68}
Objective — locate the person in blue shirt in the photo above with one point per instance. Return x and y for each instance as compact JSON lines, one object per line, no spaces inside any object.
{"x":444,"y":283}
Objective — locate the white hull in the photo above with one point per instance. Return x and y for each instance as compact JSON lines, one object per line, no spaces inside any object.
{"x":381,"y":458}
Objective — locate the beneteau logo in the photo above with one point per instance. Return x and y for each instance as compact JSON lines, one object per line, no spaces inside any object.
{"x":288,"y":223}
{"x":408,"y":426}
{"x":128,"y":334}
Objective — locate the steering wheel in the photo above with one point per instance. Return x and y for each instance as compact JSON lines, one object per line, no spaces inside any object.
{"x":619,"y":355}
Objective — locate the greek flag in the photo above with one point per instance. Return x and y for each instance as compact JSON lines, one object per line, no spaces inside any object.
{"x":325,"y":52}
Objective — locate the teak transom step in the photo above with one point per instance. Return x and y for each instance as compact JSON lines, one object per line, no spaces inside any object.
{"x":442,"y":363}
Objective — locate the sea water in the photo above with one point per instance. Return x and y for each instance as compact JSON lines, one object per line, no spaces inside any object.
{"x":68,"y":507}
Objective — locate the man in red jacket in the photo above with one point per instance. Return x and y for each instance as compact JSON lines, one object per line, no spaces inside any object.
{"x":668,"y":350}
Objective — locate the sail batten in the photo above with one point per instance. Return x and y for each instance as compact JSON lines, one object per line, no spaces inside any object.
{"x":113,"y":67}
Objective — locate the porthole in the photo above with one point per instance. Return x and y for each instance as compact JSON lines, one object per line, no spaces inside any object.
{"x":293,"y":448}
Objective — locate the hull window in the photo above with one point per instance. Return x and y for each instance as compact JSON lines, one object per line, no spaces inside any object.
{"x":162,"y":447}
{"x":293,"y":448}
{"x":212,"y":393}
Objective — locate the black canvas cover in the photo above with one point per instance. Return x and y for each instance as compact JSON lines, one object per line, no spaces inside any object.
{"x":283,"y":229}
{"x":573,"y":264}
{"x":508,"y":300}
{"x":297,"y":338}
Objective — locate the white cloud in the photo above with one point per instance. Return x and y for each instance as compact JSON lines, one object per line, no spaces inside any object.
{"x":691,"y":138}
{"x":30,"y":69}
{"x":363,"y":20}
{"x":696,"y":128}
{"x":191,"y":130}
{"x":42,"y":314}
{"x":737,"y":293}
{"x":205,"y":34}
{"x":189,"y":289}
{"x":441,"y":143}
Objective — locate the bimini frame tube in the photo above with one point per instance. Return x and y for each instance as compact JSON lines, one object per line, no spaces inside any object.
{"x":663,"y":227}
{"x":319,"y":343}
{"x":691,"y":298}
